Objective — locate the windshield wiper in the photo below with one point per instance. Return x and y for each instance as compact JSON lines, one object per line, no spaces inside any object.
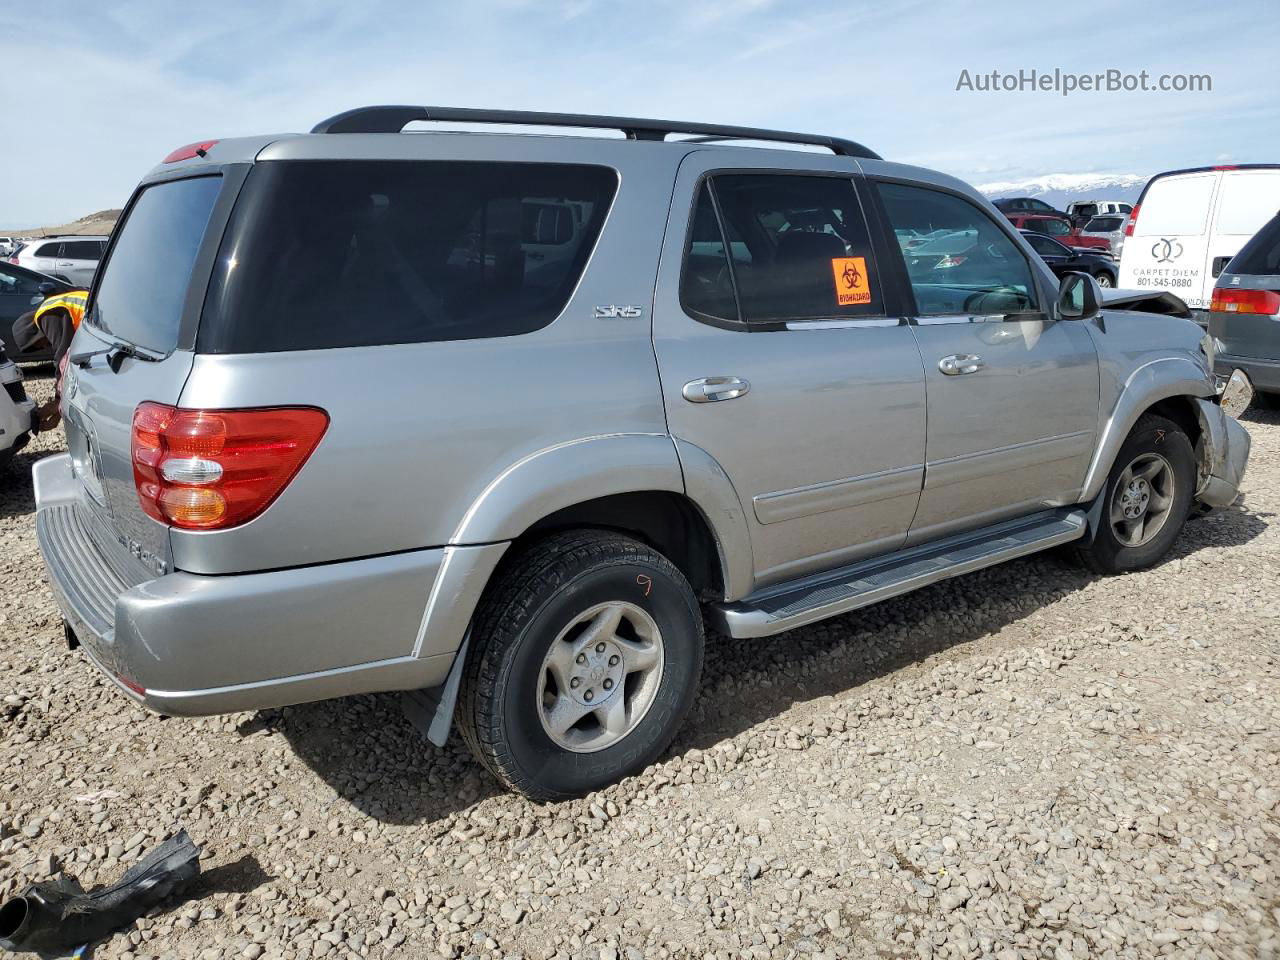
{"x":115,"y":354}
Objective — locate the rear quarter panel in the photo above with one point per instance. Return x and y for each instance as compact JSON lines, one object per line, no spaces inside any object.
{"x":420,"y":434}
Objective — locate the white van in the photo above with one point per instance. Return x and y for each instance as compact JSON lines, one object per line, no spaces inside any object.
{"x":1188,"y":224}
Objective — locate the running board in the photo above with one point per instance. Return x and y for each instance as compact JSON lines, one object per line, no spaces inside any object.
{"x":799,"y":602}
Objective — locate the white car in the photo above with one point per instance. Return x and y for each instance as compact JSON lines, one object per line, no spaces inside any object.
{"x":1082,"y":209}
{"x":73,"y":259}
{"x":7,"y":246}
{"x":1188,"y":224}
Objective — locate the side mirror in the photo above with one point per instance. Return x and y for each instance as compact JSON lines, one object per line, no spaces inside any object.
{"x":1079,"y":297}
{"x":47,"y":288}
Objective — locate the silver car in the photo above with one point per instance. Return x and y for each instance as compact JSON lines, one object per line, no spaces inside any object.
{"x":1110,"y":227}
{"x":497,"y":419}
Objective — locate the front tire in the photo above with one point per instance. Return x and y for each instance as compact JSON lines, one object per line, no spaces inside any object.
{"x":1104,"y":279}
{"x":1146,"y":500}
{"x":586,"y":655}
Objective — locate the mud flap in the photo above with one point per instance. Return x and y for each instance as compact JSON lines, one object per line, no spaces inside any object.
{"x":431,"y":710}
{"x":1093,"y":517}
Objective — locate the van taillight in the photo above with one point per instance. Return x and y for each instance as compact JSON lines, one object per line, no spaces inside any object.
{"x":1133,"y":221}
{"x":213,"y":469}
{"x":1229,"y":300}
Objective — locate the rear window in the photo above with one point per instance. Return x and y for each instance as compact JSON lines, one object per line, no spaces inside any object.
{"x":144,"y":282}
{"x":1261,"y":255}
{"x":82,"y":250}
{"x":797,"y":249}
{"x":325,"y":254}
{"x":1176,"y":206}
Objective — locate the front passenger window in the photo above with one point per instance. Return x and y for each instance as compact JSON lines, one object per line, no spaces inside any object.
{"x":964,"y":262}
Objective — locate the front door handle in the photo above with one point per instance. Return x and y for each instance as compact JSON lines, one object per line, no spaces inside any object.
{"x":711,"y":389}
{"x":959,"y":364}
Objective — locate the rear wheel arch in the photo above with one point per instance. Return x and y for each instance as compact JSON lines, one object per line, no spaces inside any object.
{"x":668,"y":522}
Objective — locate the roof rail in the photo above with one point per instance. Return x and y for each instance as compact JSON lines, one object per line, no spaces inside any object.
{"x":393,"y":119}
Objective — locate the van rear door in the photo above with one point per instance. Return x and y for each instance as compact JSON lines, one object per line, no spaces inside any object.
{"x":134,"y":345}
{"x":1169,"y":245}
{"x":1247,"y":199}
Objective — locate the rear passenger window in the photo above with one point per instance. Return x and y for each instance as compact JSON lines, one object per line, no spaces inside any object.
{"x":82,"y":250}
{"x":47,"y":250}
{"x":965,"y":263}
{"x":323,"y":254}
{"x":777,"y":247}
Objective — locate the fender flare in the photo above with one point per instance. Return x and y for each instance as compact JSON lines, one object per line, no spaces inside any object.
{"x":710,"y":490}
{"x":535,"y":486}
{"x":1146,"y":386}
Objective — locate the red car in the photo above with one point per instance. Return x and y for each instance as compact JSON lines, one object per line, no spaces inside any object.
{"x":1059,"y":228}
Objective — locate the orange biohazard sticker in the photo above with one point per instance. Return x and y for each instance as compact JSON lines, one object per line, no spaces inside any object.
{"x":853,"y":286}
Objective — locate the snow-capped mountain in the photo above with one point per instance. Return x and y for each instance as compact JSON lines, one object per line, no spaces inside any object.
{"x":1059,"y":189}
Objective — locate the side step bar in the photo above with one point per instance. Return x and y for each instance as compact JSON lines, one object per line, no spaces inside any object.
{"x":799,"y":602}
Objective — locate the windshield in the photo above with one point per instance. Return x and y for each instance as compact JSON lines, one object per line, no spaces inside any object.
{"x":144,"y":283}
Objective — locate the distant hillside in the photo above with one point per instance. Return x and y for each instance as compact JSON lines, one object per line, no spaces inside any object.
{"x":1059,"y":189}
{"x":100,"y":223}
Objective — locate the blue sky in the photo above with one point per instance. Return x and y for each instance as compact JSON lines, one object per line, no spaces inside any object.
{"x":104,"y":89}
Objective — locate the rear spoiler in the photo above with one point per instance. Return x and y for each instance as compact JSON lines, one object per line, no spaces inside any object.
{"x":1147,"y":301}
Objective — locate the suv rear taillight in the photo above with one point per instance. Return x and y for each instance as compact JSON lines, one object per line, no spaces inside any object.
{"x":213,"y":469}
{"x":1133,"y":221}
{"x":1230,"y":300}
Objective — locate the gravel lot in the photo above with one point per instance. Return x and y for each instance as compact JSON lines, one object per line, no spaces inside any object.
{"x":1025,"y":762}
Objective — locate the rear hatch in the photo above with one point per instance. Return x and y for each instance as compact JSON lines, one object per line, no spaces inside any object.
{"x":135,"y":345}
{"x":1245,"y":314}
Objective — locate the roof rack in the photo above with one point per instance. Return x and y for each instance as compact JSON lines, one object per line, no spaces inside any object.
{"x":393,"y":119}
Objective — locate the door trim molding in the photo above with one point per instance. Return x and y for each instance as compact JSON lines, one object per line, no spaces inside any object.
{"x":1015,"y":456}
{"x":831,"y":495}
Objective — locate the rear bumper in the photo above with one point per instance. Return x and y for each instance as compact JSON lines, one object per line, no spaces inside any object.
{"x":185,"y":644}
{"x":1263,"y":374}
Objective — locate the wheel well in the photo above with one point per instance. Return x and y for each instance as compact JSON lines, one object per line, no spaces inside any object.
{"x":1182,"y":411}
{"x":668,"y":522}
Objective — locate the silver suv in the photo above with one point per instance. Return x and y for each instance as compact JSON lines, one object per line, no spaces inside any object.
{"x":496,"y":419}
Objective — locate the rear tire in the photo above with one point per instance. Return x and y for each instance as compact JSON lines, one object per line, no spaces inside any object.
{"x":1146,"y":500}
{"x":585,"y":660}
{"x":1104,"y":279}
{"x":1267,"y":401}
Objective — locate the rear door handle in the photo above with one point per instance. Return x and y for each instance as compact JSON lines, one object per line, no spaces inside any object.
{"x":958,"y":364}
{"x":711,"y":389}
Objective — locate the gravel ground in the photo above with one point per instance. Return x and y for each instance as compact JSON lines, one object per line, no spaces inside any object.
{"x":1025,"y":762}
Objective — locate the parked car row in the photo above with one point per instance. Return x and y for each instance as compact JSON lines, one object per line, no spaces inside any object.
{"x":1095,"y":226}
